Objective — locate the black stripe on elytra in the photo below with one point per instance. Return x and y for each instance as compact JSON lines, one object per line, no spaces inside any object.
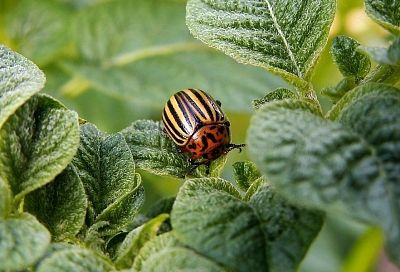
{"x":194,"y":105}
{"x":217,"y":109}
{"x":184,"y":111}
{"x":204,"y":103}
{"x":169,"y":126}
{"x":204,"y":142}
{"x":211,"y":137}
{"x":175,"y":116}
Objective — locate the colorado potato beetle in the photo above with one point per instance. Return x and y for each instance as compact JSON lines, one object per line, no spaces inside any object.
{"x":196,"y":123}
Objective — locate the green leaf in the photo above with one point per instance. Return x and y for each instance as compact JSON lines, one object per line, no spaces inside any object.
{"x":38,"y":29}
{"x":373,"y":89}
{"x":180,"y":259}
{"x":54,"y":247}
{"x":276,"y":35}
{"x":165,"y":252}
{"x":153,"y":151}
{"x":123,"y":56}
{"x":278,"y":94}
{"x":375,"y":115}
{"x":288,"y":230}
{"x":135,"y":240}
{"x":74,"y":259}
{"x":163,"y":205}
{"x":336,"y":167}
{"x":253,"y":188}
{"x":122,"y":212}
{"x":107,"y":170}
{"x":321,"y":155}
{"x":390,"y":56}
{"x":245,"y":174}
{"x":36,"y":144}
{"x":5,"y":199}
{"x":23,"y":240}
{"x":242,"y":236}
{"x":214,"y":170}
{"x":60,"y":205}
{"x":350,"y":61}
{"x":19,"y":80}
{"x":385,"y":13}
{"x":230,"y":231}
{"x":153,"y":247}
{"x":337,"y":92}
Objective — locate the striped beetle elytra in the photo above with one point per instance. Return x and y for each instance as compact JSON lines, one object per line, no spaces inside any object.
{"x":196,"y":123}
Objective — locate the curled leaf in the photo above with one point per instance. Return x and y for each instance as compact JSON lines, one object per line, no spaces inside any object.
{"x":19,"y":80}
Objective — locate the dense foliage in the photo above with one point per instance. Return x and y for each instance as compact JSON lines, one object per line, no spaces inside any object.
{"x":71,"y":195}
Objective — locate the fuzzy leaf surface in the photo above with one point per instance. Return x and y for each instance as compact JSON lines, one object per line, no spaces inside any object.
{"x":349,"y":60}
{"x":278,"y":94}
{"x":19,"y":80}
{"x":60,"y":205}
{"x":284,"y":37}
{"x":385,"y":13}
{"x":107,"y":170}
{"x":154,"y":246}
{"x":36,"y":144}
{"x":337,"y":92}
{"x":165,"y":252}
{"x":180,"y":259}
{"x":334,"y":166}
{"x":135,"y":240}
{"x":240,"y":235}
{"x":74,"y":259}
{"x":288,"y":230}
{"x":5,"y":199}
{"x":245,"y":174}
{"x":153,"y":151}
{"x":23,"y":240}
{"x":375,"y":115}
{"x":290,"y":137}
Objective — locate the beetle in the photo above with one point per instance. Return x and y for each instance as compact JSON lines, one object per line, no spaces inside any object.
{"x":196,"y":123}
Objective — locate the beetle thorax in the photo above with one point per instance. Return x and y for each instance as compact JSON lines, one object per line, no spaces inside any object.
{"x":209,"y":142}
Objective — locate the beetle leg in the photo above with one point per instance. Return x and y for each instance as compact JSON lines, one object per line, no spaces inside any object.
{"x":218,"y":102}
{"x":207,"y":164}
{"x":234,"y":146}
{"x":196,"y":164}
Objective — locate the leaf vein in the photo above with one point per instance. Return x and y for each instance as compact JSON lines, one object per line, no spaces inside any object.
{"x":278,"y":28}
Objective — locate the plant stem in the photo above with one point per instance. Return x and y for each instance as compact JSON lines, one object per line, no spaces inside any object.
{"x":310,"y":95}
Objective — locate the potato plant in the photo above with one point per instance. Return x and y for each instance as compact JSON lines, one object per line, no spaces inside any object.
{"x":71,"y":194}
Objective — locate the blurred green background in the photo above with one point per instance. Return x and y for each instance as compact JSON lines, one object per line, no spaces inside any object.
{"x":118,"y":61}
